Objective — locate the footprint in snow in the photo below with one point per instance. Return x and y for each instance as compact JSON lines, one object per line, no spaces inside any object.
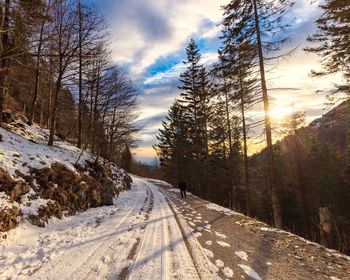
{"x":228,"y":272}
{"x":223,"y":244}
{"x":242,"y":255}
{"x":219,"y":263}
{"x":220,"y":235}
{"x":209,"y":253}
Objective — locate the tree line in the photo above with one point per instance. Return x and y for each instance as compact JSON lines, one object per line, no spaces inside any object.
{"x":56,"y":69}
{"x":301,"y":182}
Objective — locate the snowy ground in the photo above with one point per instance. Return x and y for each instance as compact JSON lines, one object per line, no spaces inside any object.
{"x":137,"y":238}
{"x":24,"y":148}
{"x":151,"y":233}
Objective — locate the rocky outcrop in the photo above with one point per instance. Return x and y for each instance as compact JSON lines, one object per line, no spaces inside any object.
{"x":67,"y":191}
{"x":90,"y":185}
{"x":39,"y":182}
{"x":14,"y":189}
{"x":8,"y":218}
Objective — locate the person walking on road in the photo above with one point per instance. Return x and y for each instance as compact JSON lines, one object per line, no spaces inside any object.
{"x":182,"y":186}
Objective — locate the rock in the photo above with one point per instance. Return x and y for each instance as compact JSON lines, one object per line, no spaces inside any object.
{"x":107,"y":194}
{"x":7,"y":117}
{"x":8,"y":218}
{"x":15,"y":189}
{"x":52,"y":209}
{"x":6,"y":182}
{"x":21,"y":188}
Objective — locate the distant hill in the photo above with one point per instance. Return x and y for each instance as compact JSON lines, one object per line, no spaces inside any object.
{"x":313,"y":173}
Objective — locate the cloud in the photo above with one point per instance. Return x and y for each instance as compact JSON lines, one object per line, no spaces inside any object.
{"x":149,"y":39}
{"x":145,"y":30}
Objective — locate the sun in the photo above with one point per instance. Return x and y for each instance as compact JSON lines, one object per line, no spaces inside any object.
{"x":279,"y":113}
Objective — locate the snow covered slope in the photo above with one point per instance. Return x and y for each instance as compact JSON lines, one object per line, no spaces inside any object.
{"x":150,"y":233}
{"x":139,"y":237}
{"x":38,"y":181}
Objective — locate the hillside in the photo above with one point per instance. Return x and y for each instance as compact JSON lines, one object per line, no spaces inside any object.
{"x":38,"y":182}
{"x":313,"y":167}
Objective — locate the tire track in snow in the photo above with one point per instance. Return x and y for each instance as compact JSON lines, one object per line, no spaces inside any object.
{"x":81,"y":259}
{"x":151,"y":260}
{"x":163,"y":253}
{"x":121,"y":267}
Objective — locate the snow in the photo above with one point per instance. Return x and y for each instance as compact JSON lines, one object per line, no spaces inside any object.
{"x":31,"y":207}
{"x":269,"y":229}
{"x":209,"y":242}
{"x":209,"y":253}
{"x":242,"y":255}
{"x":24,"y":148}
{"x":228,"y":272}
{"x":174,"y":190}
{"x":98,"y":244}
{"x":219,"y":263}
{"x":20,"y":153}
{"x":208,"y":227}
{"x":5,"y":201}
{"x":220,"y":235}
{"x":228,"y":212}
{"x":250,"y":272}
{"x":223,"y":244}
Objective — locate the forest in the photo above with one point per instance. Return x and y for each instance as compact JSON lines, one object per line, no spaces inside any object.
{"x":300,"y":181}
{"x":57,"y":71}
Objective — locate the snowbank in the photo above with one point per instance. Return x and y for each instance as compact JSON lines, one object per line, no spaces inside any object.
{"x":38,"y":181}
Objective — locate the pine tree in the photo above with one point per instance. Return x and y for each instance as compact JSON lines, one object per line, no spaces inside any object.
{"x":173,"y":147}
{"x":236,"y":66}
{"x":126,"y":159}
{"x":5,"y":52}
{"x":333,"y":40}
{"x":194,"y":99}
{"x":248,"y":22}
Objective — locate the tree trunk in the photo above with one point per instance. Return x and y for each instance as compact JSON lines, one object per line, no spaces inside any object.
{"x":94,"y":125}
{"x":41,"y":120}
{"x":245,"y":150}
{"x":228,"y":121}
{"x":5,"y":18}
{"x":80,"y":105}
{"x":49,"y":104}
{"x":37,"y":75}
{"x":111,"y":135}
{"x":270,"y":153}
{"x":54,"y":111}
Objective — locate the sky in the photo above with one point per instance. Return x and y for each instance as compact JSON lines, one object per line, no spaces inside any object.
{"x":148,"y":40}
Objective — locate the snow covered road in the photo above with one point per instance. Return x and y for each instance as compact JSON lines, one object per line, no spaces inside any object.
{"x":141,"y":237}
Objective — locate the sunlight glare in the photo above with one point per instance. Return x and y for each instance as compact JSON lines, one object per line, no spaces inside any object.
{"x":279,"y":113}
